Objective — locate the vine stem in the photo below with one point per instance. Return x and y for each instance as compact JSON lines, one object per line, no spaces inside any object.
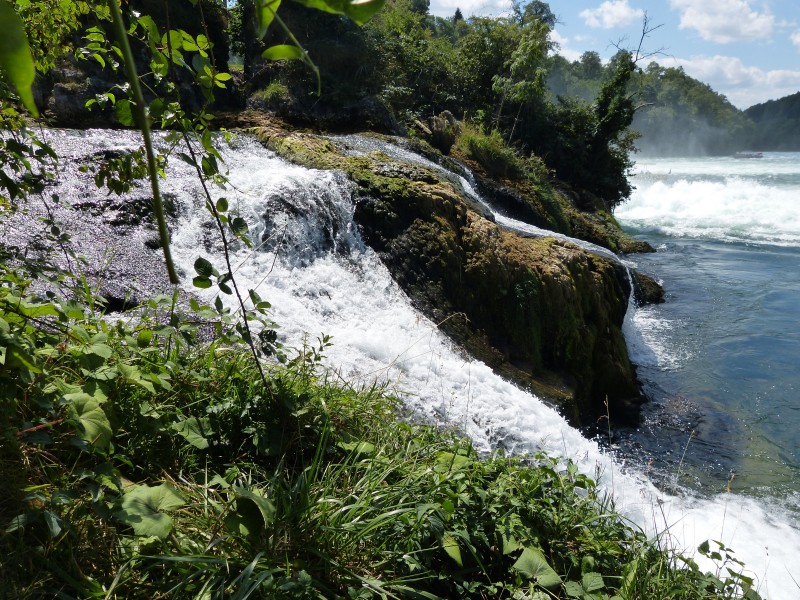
{"x":226,"y":253}
{"x":144,"y":126}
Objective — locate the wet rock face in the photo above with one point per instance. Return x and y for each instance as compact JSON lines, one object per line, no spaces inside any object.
{"x":540,"y":311}
{"x":647,"y":290}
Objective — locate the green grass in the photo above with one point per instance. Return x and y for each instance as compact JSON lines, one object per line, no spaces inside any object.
{"x":274,"y":93}
{"x":141,"y":462}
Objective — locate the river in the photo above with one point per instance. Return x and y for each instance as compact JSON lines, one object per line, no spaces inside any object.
{"x":322,"y":279}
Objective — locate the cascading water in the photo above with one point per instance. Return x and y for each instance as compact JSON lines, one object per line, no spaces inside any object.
{"x":321,"y":279}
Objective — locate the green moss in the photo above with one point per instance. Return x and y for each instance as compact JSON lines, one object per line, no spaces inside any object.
{"x":275,"y":93}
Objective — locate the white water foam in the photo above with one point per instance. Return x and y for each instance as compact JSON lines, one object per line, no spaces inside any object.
{"x":647,"y":335}
{"x":735,"y":209}
{"x":340,"y":288}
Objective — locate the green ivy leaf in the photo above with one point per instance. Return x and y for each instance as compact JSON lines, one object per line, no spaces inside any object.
{"x":144,"y":508}
{"x":533,"y":565}
{"x":283,"y":52}
{"x":95,"y":426}
{"x":15,"y":56}
{"x":194,"y":431}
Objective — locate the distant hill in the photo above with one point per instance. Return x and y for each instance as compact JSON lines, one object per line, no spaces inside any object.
{"x":676,"y":115}
{"x":777,"y":124}
{"x":682,"y":116}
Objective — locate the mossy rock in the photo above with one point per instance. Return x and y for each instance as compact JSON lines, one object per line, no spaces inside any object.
{"x":540,"y":311}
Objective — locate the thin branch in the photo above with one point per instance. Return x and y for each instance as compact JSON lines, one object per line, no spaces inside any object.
{"x":144,"y":126}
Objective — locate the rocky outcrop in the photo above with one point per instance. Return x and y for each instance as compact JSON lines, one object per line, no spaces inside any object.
{"x":647,"y":290}
{"x":539,"y":310}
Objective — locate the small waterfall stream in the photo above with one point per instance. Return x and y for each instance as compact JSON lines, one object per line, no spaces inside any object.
{"x":322,"y":279}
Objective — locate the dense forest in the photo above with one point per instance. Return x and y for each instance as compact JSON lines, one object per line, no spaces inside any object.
{"x":777,"y":124}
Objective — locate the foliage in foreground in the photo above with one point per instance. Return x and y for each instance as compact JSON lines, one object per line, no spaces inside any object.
{"x":139,"y":461}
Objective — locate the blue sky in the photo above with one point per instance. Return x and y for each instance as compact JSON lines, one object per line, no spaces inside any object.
{"x":748,"y":50}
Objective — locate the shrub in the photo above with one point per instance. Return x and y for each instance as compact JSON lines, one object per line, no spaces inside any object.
{"x":491,"y":152}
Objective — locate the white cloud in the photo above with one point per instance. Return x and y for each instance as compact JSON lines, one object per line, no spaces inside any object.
{"x":564,"y":46}
{"x":744,"y":85}
{"x":725,"y":21}
{"x":795,"y":38}
{"x":610,"y":14}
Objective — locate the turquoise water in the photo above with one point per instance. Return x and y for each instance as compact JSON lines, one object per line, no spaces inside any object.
{"x":720,"y":359}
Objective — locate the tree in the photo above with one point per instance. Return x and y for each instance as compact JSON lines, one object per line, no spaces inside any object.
{"x":523,"y":78}
{"x":534,"y":10}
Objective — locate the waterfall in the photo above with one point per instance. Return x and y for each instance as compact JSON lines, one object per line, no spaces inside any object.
{"x":322,"y":279}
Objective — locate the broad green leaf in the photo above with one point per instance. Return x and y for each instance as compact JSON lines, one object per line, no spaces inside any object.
{"x":124,"y":113}
{"x":144,"y":508}
{"x":200,"y":63}
{"x":17,"y":357}
{"x":150,"y":25}
{"x":15,"y":56}
{"x":358,"y":10}
{"x":194,"y":431}
{"x":510,"y":544}
{"x":134,"y":375}
{"x":222,"y":205}
{"x":53,"y":523}
{"x":357,"y":447}
{"x":450,"y":545}
{"x":593,"y":582}
{"x":573,"y":589}
{"x":89,"y":390}
{"x":34,"y":310}
{"x":253,"y":512}
{"x":533,"y":565}
{"x":99,"y":350}
{"x":94,"y":422}
{"x":283,"y":52}
{"x":203,"y":268}
{"x":201,"y":282}
{"x":265,"y":13}
{"x":452,"y":462}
